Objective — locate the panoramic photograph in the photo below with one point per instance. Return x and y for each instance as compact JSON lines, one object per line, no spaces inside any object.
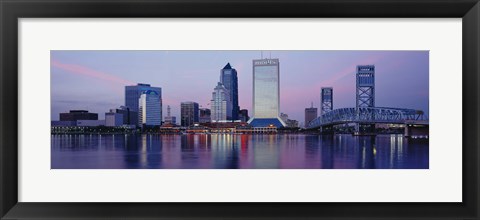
{"x":239,"y":109}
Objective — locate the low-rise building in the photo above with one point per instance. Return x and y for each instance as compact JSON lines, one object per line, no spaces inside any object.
{"x":90,"y":123}
{"x":75,"y":115}
{"x":113,"y":119}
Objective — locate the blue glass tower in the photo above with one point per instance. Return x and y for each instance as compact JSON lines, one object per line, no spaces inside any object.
{"x":133,"y":93}
{"x":229,"y":79}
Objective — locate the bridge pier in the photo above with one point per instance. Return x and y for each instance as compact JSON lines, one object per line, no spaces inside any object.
{"x":364,"y":129}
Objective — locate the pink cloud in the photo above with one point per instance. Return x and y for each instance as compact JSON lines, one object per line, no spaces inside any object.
{"x":85,"y":71}
{"x":350,"y":70}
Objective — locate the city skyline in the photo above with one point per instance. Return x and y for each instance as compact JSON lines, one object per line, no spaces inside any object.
{"x":95,"y":80}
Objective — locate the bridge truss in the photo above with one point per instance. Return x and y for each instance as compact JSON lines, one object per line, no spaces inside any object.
{"x":367,"y":115}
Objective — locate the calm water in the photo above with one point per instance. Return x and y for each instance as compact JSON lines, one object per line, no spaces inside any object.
{"x":227,"y":151}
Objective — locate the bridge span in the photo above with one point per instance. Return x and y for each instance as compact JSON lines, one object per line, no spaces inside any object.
{"x":365,"y":116}
{"x":369,"y":116}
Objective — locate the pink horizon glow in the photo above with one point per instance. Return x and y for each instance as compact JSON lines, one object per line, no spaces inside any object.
{"x":86,"y":71}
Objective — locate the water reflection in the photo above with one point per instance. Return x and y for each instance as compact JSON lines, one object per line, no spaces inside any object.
{"x":227,"y":151}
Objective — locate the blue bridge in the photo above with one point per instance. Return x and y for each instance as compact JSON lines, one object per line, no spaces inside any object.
{"x":365,"y":115}
{"x":368,"y":115}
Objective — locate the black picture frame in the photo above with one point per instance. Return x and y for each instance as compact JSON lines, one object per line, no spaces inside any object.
{"x":12,"y":10}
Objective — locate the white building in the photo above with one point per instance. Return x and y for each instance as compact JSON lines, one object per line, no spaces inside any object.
{"x":266,"y":93}
{"x":221,"y":106}
{"x":150,"y":109}
{"x":113,"y":119}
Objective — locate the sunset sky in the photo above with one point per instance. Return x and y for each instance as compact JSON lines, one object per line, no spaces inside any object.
{"x":95,"y":80}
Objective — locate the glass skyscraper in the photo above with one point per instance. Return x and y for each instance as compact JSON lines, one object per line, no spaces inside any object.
{"x":149,"y":109}
{"x":266,"y":93}
{"x":132,"y":96}
{"x":229,"y":79}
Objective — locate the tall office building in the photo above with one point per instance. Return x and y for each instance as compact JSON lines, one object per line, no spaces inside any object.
{"x":149,"y":109}
{"x":169,"y":119}
{"x":221,"y":104}
{"x":310,"y":114}
{"x":229,"y":79}
{"x":189,"y":113}
{"x":266,"y":93}
{"x":133,"y":93}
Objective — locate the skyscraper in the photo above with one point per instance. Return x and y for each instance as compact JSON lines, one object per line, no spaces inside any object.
{"x":188,"y":113}
{"x":229,"y":79}
{"x":133,"y":93}
{"x":266,"y":93}
{"x":149,"y":109}
{"x":221,"y":104}
{"x":310,"y":114}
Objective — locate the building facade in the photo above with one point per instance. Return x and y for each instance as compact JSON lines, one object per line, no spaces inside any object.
{"x":189,"y":113}
{"x":113,"y":119}
{"x":266,"y":93}
{"x":75,"y":115}
{"x":205,"y":115}
{"x":229,"y":79}
{"x":130,"y":117}
{"x":310,"y":114}
{"x":150,"y":109}
{"x":243,"y":115}
{"x":292,"y":123}
{"x":90,"y":123}
{"x":221,"y":104}
{"x":133,"y":93}
{"x":63,"y":123}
